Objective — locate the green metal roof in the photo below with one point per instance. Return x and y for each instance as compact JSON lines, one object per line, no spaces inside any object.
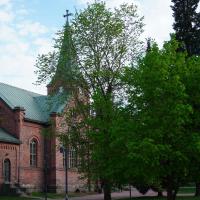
{"x":37,"y":107}
{"x":6,"y":137}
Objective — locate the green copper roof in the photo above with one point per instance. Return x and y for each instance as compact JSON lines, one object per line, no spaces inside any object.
{"x":6,"y":137}
{"x":37,"y":106}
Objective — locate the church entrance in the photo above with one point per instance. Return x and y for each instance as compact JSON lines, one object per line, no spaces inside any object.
{"x":7,"y":171}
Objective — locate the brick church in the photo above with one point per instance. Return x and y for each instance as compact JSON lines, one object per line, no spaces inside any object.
{"x":24,"y":150}
{"x":29,"y":159}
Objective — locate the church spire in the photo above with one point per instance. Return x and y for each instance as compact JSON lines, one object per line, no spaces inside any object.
{"x":66,"y":48}
{"x":66,"y":58}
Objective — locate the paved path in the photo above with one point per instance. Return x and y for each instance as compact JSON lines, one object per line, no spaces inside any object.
{"x":115,"y":195}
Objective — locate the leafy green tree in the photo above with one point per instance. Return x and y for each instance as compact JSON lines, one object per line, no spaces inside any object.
{"x":193,"y":91}
{"x":161,"y":111}
{"x":103,"y":41}
{"x":186,"y":25}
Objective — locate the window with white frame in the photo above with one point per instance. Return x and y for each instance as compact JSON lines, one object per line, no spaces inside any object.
{"x":33,"y":153}
{"x":72,"y":158}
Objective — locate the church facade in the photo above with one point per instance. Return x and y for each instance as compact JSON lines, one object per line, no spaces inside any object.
{"x":29,"y":159}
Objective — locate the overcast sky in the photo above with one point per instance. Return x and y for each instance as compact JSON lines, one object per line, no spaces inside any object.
{"x":28,"y":26}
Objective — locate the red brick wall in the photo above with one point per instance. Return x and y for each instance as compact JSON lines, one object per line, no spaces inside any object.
{"x":31,"y":177}
{"x":11,"y":152}
{"x":74,"y":181}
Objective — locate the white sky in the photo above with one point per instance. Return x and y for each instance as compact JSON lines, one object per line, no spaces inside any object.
{"x":23,"y":36}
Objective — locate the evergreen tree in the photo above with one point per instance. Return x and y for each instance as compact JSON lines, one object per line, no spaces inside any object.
{"x":148,"y":45}
{"x":186,"y":25}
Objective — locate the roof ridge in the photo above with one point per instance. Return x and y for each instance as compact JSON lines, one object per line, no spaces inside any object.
{"x":22,"y":89}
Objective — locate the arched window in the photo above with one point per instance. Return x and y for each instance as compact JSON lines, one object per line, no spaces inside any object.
{"x":33,"y":153}
{"x":7,"y":171}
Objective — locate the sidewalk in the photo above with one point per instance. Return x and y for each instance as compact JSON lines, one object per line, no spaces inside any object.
{"x":115,"y":195}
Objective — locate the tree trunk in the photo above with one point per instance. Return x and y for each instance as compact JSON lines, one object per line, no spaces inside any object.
{"x":175,"y":193}
{"x":160,"y":194}
{"x":197,"y":192}
{"x":171,"y":194}
{"x":107,"y":190}
{"x":89,"y":185}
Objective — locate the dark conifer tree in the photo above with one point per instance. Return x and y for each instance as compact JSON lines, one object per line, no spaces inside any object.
{"x":187,"y":31}
{"x":148,"y":45}
{"x":187,"y":25}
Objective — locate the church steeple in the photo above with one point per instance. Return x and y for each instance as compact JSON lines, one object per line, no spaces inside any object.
{"x":66,"y":51}
{"x":66,"y":59}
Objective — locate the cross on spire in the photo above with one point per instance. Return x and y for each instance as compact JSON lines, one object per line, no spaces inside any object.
{"x":67,"y":16}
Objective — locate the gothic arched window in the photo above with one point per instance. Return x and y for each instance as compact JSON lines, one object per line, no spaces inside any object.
{"x":7,"y":170}
{"x":33,"y":153}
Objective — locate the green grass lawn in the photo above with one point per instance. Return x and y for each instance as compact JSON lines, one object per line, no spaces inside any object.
{"x":136,"y":198}
{"x":49,"y":195}
{"x":163,"y":198}
{"x":59,"y":196}
{"x":186,"y":190}
{"x":15,"y":198}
